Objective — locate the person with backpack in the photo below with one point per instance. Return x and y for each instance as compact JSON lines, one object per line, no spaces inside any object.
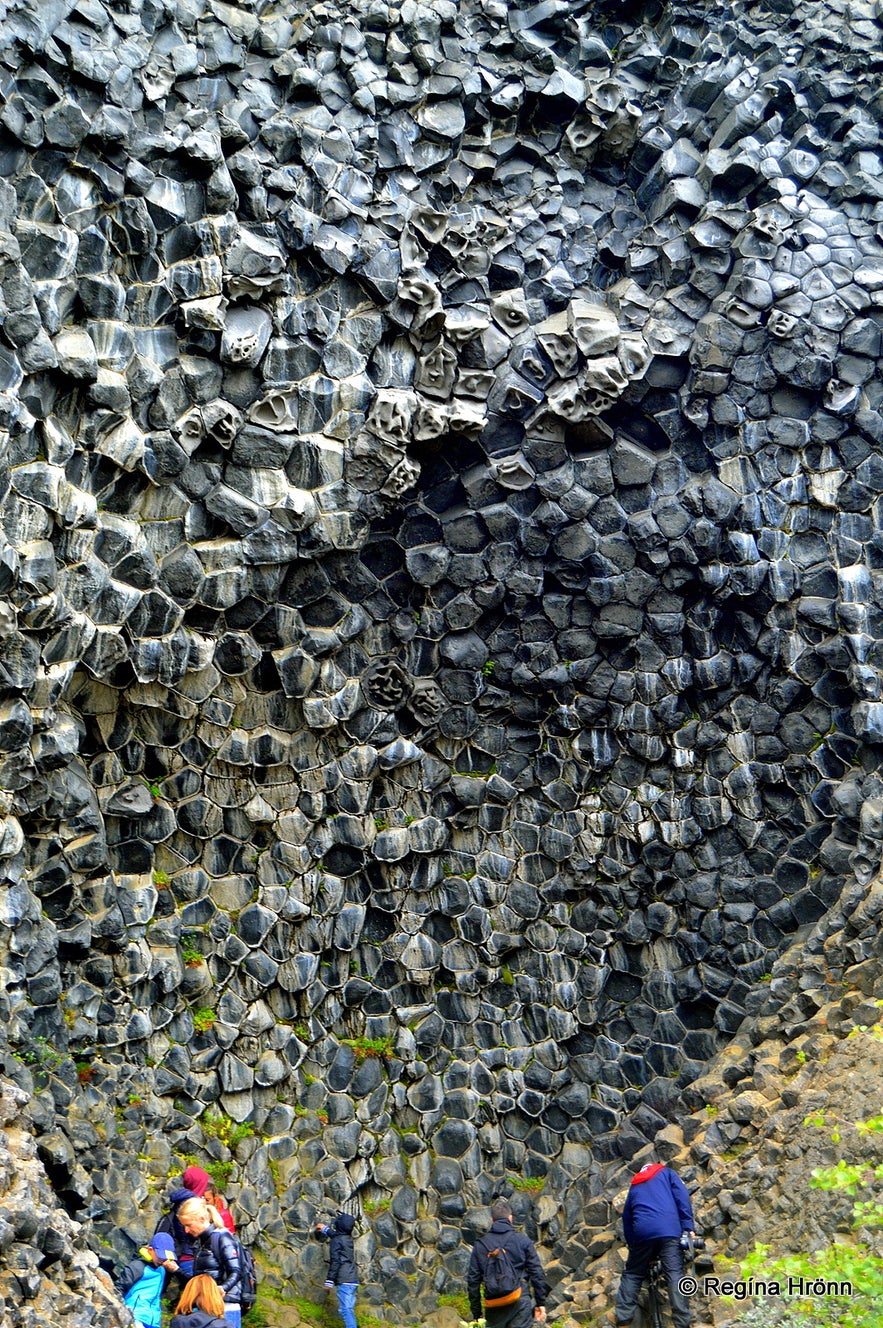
{"x":342,"y":1272}
{"x":194,"y":1183}
{"x":657,"y":1214}
{"x":506,"y":1263}
{"x":217,"y":1253}
{"x":201,"y":1305}
{"x":142,"y":1281}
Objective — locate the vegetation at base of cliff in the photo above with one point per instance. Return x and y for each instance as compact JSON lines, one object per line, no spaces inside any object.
{"x":810,"y":1285}
{"x":322,"y":1315}
{"x":841,"y":1285}
{"x":459,"y":1302}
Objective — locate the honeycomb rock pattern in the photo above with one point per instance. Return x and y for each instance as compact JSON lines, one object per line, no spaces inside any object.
{"x":441,"y":574}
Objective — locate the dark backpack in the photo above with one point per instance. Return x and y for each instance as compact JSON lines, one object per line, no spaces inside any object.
{"x":502,"y":1285}
{"x":169,"y":1224}
{"x":248,"y":1273}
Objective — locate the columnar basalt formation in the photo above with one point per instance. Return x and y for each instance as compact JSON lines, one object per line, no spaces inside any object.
{"x":441,"y":632}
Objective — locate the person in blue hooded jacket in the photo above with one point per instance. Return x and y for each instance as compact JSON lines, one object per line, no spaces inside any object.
{"x":142,"y":1281}
{"x":342,"y":1273}
{"x":657,"y":1213}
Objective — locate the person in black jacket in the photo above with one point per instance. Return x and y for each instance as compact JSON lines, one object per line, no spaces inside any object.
{"x":519,"y":1311}
{"x":342,"y":1274}
{"x":216,"y":1253}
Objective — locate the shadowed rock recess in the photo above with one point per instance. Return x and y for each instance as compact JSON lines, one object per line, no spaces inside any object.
{"x":441,"y":637}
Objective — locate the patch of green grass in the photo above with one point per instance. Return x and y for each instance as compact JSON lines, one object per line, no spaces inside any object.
{"x":228,"y":1132}
{"x":530,"y":1184}
{"x":458,"y":1301}
{"x":220,"y":1172}
{"x":372,"y":1206}
{"x":203,"y":1019}
{"x":365,"y":1048}
{"x":322,"y":1316}
{"x":190,"y":952}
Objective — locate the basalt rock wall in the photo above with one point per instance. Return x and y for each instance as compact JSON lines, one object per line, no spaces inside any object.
{"x":441,"y":586}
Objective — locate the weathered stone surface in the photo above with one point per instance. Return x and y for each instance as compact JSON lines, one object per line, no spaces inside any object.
{"x":440,"y":566}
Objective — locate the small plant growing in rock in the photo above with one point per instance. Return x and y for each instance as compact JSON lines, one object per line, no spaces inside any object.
{"x":203,"y":1019}
{"x":372,"y":1206}
{"x":364,"y":1047}
{"x":189,"y":953}
{"x":220,"y":1173}
{"x":161,"y":880}
{"x":85,"y":1071}
{"x":42,"y":1054}
{"x":527,"y":1184}
{"x":227,"y":1132}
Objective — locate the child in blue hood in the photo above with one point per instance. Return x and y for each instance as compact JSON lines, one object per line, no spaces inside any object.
{"x":342,"y":1274}
{"x":141,"y":1282}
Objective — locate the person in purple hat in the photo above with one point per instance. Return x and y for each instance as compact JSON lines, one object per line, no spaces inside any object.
{"x":141,"y":1282}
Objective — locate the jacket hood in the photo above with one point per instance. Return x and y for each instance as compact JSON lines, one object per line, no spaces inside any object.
{"x":648,"y":1172}
{"x":196,"y":1180}
{"x":344,"y":1222}
{"x":197,"y":1319}
{"x":180,"y":1194}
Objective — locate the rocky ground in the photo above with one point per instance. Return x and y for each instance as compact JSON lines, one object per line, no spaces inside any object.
{"x":780,"y":1101}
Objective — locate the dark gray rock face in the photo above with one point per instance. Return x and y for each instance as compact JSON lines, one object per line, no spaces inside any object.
{"x":440,"y":634}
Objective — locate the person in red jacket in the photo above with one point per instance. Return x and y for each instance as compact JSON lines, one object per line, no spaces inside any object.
{"x":657,"y":1213}
{"x":216,"y":1201}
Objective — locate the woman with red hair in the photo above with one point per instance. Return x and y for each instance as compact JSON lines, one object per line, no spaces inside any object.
{"x":201,"y":1305}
